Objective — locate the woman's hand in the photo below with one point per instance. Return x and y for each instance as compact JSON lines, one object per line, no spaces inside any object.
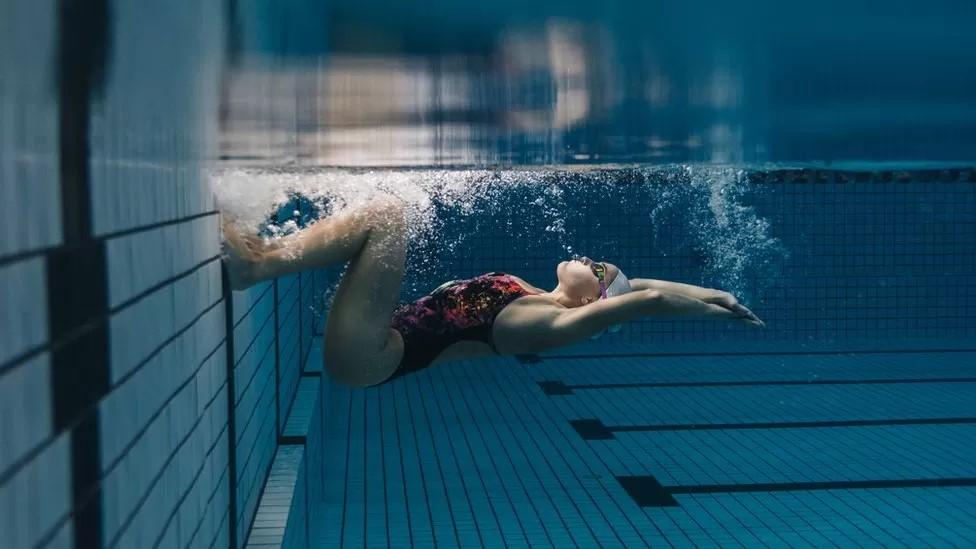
{"x":657,"y":303}
{"x":729,"y":302}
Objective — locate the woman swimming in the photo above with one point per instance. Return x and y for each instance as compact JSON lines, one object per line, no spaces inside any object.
{"x":370,"y":339}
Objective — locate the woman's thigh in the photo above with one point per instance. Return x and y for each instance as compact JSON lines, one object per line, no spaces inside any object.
{"x":360,"y":347}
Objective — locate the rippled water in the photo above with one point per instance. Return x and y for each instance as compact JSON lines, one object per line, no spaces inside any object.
{"x":671,"y":210}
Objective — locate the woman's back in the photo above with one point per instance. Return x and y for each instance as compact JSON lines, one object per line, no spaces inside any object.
{"x":457,"y":311}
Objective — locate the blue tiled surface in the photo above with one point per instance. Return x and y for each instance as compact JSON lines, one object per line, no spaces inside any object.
{"x":476,"y":454}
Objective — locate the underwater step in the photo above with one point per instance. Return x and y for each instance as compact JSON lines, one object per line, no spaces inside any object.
{"x":282,"y":515}
{"x":296,"y":428}
{"x":313,"y":364}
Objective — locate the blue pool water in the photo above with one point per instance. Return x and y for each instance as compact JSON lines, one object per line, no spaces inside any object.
{"x":848,"y":420}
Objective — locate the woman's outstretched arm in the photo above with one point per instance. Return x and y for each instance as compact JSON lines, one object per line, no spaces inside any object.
{"x":708,"y":295}
{"x":531,"y":326}
{"x":592,"y":319}
{"x":689,"y":290}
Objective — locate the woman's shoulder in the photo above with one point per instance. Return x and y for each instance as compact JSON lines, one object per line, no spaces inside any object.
{"x":523,"y":326}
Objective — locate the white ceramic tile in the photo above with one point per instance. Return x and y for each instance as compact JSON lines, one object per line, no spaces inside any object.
{"x":64,"y":538}
{"x":139,"y":329}
{"x":250,"y":327}
{"x":116,"y":421}
{"x":25,"y":409}
{"x":189,"y":513}
{"x":133,"y":331}
{"x":37,"y":496}
{"x":170,"y":539}
{"x":50,"y":485}
{"x":29,"y":201}
{"x":141,"y":260}
{"x":23,"y":307}
{"x":112,"y":489}
{"x":246,"y":372}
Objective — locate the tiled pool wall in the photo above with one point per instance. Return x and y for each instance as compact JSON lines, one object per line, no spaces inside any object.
{"x":858,"y":256}
{"x":141,"y":402}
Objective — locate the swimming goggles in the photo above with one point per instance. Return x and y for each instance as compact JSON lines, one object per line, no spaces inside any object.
{"x":600,"y":271}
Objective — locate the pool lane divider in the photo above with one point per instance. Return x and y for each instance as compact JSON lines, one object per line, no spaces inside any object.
{"x":595,"y":429}
{"x":557,"y":388}
{"x":647,"y":491}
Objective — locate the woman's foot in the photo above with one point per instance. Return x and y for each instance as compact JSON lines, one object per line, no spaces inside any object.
{"x":242,"y":256}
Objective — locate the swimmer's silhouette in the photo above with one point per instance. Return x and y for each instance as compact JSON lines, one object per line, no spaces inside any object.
{"x":370,"y":339}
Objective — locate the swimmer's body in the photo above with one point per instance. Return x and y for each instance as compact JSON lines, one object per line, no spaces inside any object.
{"x":370,"y":338}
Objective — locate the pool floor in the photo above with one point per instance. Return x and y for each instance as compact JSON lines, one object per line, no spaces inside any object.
{"x":642,"y":449}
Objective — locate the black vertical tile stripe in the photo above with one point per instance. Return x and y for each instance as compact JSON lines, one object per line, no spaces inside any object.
{"x":646,"y":491}
{"x":79,"y":374}
{"x":85,"y":470}
{"x":77,"y":306}
{"x":592,"y":429}
{"x":555,"y":387}
{"x":77,"y":282}
{"x":77,"y":271}
{"x":83,"y":53}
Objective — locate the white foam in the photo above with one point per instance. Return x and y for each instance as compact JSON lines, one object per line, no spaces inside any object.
{"x":705,"y":204}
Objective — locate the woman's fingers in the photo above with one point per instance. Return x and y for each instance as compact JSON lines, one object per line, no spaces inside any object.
{"x":736,"y":312}
{"x":733,"y":308}
{"x":747,"y":315}
{"x":742,"y":310}
{"x":724,"y":299}
{"x":720,"y":311}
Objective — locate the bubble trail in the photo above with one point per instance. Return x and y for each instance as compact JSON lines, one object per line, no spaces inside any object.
{"x":544,"y":215}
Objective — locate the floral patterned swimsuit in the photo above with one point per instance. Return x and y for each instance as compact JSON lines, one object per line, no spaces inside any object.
{"x":460,"y":310}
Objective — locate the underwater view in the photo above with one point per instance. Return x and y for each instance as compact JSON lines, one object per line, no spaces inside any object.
{"x":428,"y":274}
{"x":841,"y":420}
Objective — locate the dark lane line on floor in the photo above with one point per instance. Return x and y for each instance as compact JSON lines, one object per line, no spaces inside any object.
{"x":646,"y":491}
{"x":556,"y":387}
{"x":535,"y":359}
{"x":595,"y":429}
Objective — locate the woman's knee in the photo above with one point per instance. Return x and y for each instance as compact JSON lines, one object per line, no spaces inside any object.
{"x":358,"y":369}
{"x":387,"y":210}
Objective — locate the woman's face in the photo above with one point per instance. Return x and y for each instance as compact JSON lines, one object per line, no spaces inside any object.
{"x":579,"y":283}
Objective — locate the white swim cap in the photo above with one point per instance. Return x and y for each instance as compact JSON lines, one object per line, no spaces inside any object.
{"x":619,"y":286}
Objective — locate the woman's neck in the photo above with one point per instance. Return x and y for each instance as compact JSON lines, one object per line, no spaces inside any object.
{"x":556,"y":294}
{"x":559,"y":297}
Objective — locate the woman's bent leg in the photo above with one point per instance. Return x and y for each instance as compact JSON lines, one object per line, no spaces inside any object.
{"x":360,"y":347}
{"x":327,"y":242}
